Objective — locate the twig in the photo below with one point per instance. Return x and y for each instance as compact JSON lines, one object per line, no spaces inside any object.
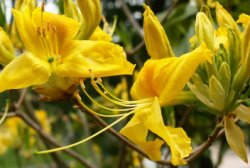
{"x":205,"y":145}
{"x":131,"y":18}
{"x":38,"y":129}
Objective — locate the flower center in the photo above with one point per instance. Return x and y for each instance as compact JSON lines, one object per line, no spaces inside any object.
{"x":48,"y":38}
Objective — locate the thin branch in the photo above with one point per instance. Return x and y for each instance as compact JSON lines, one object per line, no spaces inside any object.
{"x":52,"y":141}
{"x":217,"y":132}
{"x":131,"y":18}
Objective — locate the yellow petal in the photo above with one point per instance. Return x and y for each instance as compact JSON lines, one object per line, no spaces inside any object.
{"x":136,"y":132}
{"x":165,"y":78}
{"x":24,"y":71}
{"x":101,"y":57}
{"x":66,"y":28}
{"x":243,"y":113}
{"x":156,"y":40}
{"x":235,"y":138}
{"x":27,"y":32}
{"x":149,"y":118}
{"x":224,"y":18}
{"x":99,"y":34}
{"x":244,"y":19}
{"x":91,"y":14}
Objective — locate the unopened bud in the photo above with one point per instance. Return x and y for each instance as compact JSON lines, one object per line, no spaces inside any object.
{"x":156,"y":40}
{"x":91,"y":17}
{"x":204,"y":30}
{"x":6,"y":48}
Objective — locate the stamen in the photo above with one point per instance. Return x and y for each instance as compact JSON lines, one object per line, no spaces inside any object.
{"x":104,"y":107}
{"x":120,"y":102}
{"x":5,"y":112}
{"x":84,"y":140}
{"x":95,"y":113}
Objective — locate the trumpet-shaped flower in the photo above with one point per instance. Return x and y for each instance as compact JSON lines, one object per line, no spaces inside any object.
{"x":52,"y":52}
{"x":161,"y":80}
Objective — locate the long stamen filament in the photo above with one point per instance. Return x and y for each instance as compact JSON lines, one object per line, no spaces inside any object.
{"x":5,"y":112}
{"x":124,"y":101}
{"x":98,"y":104}
{"x":120,"y":103}
{"x":84,"y":140}
{"x":93,"y":112}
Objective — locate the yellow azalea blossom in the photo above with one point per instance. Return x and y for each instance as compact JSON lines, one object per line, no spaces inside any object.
{"x":162,"y":80}
{"x":52,"y":51}
{"x":221,"y":87}
{"x":158,"y":83}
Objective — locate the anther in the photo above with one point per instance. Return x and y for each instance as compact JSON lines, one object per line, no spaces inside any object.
{"x":39,"y":31}
{"x":44,"y":32}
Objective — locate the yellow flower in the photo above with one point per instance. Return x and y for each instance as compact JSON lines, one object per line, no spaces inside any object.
{"x":52,"y":51}
{"x":161,"y":81}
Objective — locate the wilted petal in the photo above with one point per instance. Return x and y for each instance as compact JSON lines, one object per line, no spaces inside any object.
{"x":101,"y":57}
{"x":156,"y":40}
{"x":235,"y":138}
{"x":24,"y":71}
{"x":165,"y":78}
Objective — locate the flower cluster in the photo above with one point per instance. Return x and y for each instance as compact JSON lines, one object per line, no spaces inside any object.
{"x":58,"y":53}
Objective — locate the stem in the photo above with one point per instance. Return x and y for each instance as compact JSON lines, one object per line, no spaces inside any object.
{"x":38,"y":129}
{"x":205,"y":145}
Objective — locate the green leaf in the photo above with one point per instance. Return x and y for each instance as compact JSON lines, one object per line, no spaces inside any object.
{"x":243,"y":113}
{"x":235,"y":138}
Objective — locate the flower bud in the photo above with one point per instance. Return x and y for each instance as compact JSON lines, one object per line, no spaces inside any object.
{"x":91,"y":17}
{"x":204,"y":30}
{"x":224,"y":18}
{"x":156,"y":40}
{"x":6,"y":48}
{"x":71,"y":10}
{"x":217,"y":94}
